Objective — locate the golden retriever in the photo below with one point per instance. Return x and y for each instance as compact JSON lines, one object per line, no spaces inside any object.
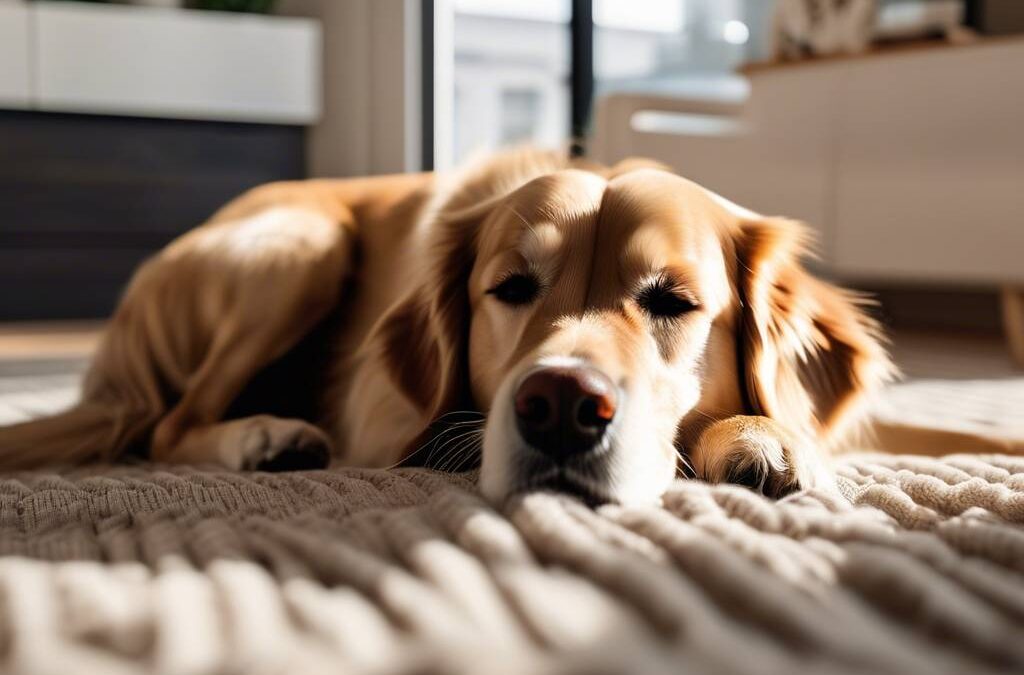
{"x":595,"y":330}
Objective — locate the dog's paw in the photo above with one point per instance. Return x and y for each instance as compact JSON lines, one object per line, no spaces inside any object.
{"x":275,"y":444}
{"x":761,"y":465}
{"x":756,"y":453}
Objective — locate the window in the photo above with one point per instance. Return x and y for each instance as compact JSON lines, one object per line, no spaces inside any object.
{"x":507,"y":62}
{"x":510,"y":74}
{"x":683,"y":46}
{"x":520,"y":115}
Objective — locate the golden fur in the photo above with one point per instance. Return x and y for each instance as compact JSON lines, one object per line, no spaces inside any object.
{"x":767,"y":370}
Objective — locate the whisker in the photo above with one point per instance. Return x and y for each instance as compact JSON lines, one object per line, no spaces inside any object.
{"x":704,"y":414}
{"x":460,"y":450}
{"x":687,"y":469}
{"x":428,"y":443}
{"x":440,"y":450}
{"x":459,"y":461}
{"x":473,"y":449}
{"x":447,"y":428}
{"x":475,"y":413}
{"x":442,"y":454}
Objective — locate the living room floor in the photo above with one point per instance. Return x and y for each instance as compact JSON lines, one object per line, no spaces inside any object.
{"x":27,"y":348}
{"x":959,"y":380}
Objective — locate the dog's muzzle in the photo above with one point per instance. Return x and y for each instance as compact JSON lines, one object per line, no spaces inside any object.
{"x":564,"y":411}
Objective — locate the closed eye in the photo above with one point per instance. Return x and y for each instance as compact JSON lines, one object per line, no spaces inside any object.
{"x":516,"y":289}
{"x":662,"y":300}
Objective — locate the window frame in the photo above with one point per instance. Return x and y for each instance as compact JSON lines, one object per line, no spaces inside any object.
{"x":436,"y":77}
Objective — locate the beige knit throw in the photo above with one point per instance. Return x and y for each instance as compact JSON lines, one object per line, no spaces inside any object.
{"x":176,"y":570}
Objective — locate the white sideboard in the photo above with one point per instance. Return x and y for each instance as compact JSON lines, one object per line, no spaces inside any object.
{"x":14,"y":56}
{"x":153,"y":62}
{"x":909,"y":164}
{"x":121,"y":127}
{"x":929,"y":167}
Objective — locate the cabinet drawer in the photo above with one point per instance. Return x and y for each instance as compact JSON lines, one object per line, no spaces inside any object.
{"x":174,"y":63}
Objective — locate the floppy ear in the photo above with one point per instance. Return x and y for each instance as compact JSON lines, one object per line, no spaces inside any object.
{"x":422,"y":340}
{"x":810,"y":354}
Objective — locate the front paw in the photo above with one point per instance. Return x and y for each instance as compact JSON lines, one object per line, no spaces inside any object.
{"x":757,"y":453}
{"x":275,"y":444}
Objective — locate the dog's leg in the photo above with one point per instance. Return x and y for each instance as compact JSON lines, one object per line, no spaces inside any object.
{"x":759,"y":453}
{"x":234,"y":358}
{"x":261,"y":442}
{"x":278,"y":283}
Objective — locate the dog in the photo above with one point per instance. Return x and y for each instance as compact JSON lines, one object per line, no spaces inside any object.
{"x":596,"y":330}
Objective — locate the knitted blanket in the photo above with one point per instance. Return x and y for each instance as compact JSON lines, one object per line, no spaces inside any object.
{"x":190,"y":570}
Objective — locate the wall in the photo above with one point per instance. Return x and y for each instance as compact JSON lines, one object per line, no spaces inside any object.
{"x":371,"y":111}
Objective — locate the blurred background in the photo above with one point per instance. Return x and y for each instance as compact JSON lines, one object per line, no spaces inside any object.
{"x":894,"y":127}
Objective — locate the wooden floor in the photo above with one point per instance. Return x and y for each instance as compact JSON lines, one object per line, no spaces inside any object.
{"x":957,"y":381}
{"x":48,"y":341}
{"x":953,"y":355}
{"x":932,"y":354}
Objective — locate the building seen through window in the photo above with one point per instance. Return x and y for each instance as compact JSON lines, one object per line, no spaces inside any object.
{"x":512,"y":60}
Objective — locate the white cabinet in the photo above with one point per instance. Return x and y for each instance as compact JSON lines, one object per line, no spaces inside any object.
{"x":929,"y":167}
{"x":14,"y":55}
{"x":124,"y":60}
{"x":910,"y":164}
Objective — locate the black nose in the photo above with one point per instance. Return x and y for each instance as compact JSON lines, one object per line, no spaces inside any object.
{"x":564,"y":411}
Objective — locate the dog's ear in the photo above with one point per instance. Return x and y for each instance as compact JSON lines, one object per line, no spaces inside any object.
{"x":809,"y":352}
{"x":422,"y":341}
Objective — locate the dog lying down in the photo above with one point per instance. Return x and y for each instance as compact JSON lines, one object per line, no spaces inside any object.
{"x":584,"y":329}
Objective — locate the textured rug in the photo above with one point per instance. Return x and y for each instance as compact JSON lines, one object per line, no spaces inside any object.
{"x":173,"y":570}
{"x":176,"y":570}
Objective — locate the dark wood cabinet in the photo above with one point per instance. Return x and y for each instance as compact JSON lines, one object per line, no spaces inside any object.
{"x":85,"y":198}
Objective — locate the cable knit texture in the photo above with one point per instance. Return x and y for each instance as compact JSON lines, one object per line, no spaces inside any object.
{"x":190,"y":570}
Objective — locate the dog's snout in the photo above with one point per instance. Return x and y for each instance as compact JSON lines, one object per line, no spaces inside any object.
{"x":564,"y":411}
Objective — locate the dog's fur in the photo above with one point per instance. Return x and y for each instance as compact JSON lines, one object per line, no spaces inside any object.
{"x":766,"y":370}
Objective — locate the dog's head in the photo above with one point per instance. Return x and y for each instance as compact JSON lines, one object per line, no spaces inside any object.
{"x":600,"y":321}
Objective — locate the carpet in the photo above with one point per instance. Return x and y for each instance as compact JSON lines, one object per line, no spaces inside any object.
{"x":192,"y":570}
{"x":195,"y":570}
